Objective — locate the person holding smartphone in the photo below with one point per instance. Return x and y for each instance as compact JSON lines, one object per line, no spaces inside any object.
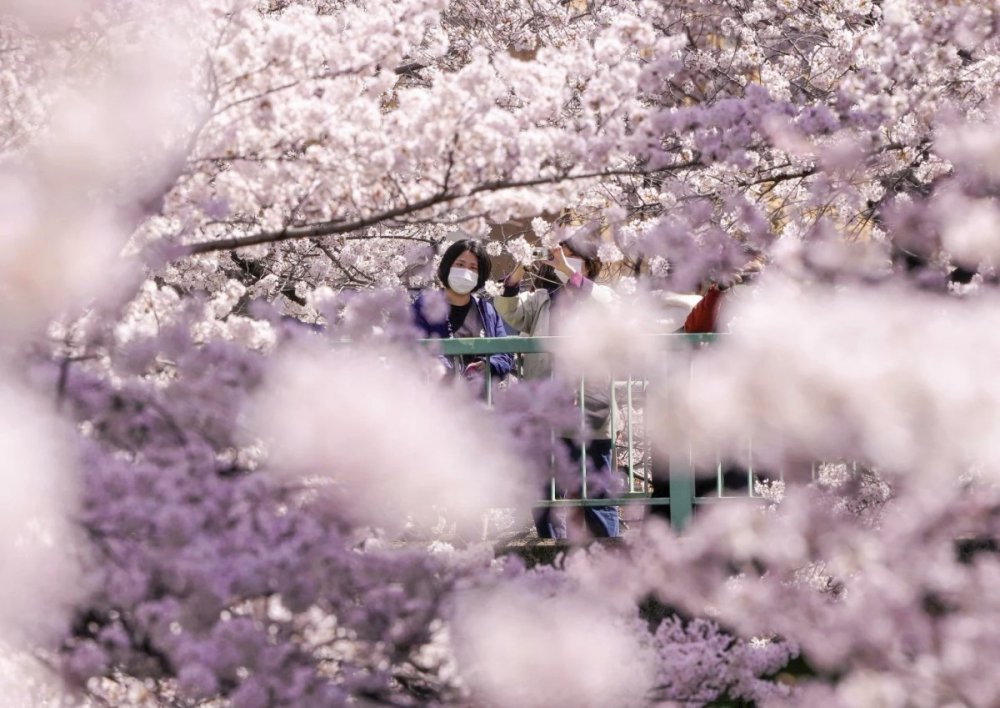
{"x":567,"y":273}
{"x":464,"y":269}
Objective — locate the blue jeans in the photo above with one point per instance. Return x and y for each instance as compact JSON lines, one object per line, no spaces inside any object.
{"x":602,"y":521}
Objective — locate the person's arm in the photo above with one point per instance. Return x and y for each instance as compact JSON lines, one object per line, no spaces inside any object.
{"x":579,"y":281}
{"x":516,"y":308}
{"x":429,"y":329}
{"x":416,"y":309}
{"x":500,"y":364}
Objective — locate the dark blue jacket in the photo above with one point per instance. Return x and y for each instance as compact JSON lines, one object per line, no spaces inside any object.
{"x":493,"y":326}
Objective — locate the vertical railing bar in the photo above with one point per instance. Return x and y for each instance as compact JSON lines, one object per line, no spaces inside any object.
{"x":647,"y":458}
{"x":552,"y":465}
{"x":552,"y":443}
{"x":681,"y":475}
{"x":750,"y":465}
{"x":665,"y":372}
{"x":583,"y":440}
{"x":628,"y":437}
{"x":718,"y":475}
{"x":489,"y":384}
{"x":614,"y":425}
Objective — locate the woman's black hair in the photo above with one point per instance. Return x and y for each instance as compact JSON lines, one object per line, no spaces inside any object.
{"x":456,"y":249}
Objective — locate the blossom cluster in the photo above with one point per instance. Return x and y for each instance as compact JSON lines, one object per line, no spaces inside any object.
{"x":224,"y":446}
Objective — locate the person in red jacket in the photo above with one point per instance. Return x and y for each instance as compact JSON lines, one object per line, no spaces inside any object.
{"x":703,"y":319}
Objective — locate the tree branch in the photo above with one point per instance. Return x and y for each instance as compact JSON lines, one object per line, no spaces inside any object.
{"x":443,"y":197}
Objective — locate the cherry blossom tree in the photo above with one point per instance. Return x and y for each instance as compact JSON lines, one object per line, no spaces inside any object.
{"x":204,"y":199}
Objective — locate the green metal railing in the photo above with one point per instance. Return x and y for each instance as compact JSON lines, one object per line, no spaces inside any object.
{"x":630,"y":445}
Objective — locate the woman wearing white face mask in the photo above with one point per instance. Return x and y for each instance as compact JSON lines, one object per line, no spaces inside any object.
{"x":464,"y":269}
{"x":568,"y":274}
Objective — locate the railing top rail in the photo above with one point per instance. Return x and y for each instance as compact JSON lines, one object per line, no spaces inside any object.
{"x":538,"y":345}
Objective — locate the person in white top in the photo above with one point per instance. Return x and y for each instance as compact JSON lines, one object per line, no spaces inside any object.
{"x":568,"y":274}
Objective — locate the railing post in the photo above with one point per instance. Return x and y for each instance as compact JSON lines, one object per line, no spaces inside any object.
{"x":681,"y":490}
{"x":631,"y":467}
{"x":681,"y":485}
{"x":583,"y":439}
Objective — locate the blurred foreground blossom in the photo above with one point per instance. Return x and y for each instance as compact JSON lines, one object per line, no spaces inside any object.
{"x":604,"y":336}
{"x":39,"y":551}
{"x":388,"y":438}
{"x":115,"y":122}
{"x":519,"y":648}
{"x":812,"y":373}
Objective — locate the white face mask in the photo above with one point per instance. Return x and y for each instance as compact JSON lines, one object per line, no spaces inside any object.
{"x":575,"y":263}
{"x":462,"y":280}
